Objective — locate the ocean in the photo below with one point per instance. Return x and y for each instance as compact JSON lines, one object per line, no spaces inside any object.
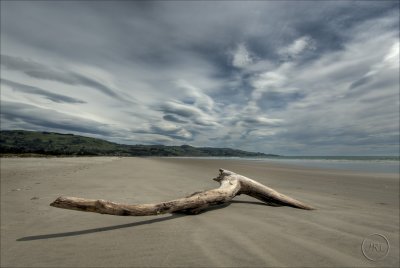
{"x":374,"y":164}
{"x":370,"y":164}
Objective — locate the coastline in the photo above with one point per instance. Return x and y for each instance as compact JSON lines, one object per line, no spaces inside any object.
{"x":350,"y":206}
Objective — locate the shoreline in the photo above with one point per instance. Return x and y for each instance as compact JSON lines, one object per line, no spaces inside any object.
{"x":370,"y":164}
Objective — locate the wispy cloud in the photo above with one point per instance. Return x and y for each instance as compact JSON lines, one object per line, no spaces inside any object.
{"x":41,"y":71}
{"x":299,"y":46}
{"x":35,"y":117}
{"x":241,"y":57}
{"x":266,"y":76}
{"x":38,"y":91}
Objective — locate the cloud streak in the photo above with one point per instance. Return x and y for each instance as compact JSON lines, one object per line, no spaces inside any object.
{"x":39,"y":118}
{"x":301,"y":78}
{"x":40,"y":71}
{"x":38,"y":91}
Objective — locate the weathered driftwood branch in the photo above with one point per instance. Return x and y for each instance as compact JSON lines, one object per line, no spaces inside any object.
{"x":232,"y":184}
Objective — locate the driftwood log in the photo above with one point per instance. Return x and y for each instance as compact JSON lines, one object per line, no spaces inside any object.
{"x":231,"y":185}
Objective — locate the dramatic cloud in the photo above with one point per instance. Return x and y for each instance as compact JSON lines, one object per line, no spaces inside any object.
{"x":37,"y":117}
{"x":305,"y":78}
{"x":38,"y":91}
{"x":40,"y":71}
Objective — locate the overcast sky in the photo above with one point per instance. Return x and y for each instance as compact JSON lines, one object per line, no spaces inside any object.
{"x":293,"y":78}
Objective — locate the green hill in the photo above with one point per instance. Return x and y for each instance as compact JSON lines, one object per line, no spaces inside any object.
{"x":48,"y":143}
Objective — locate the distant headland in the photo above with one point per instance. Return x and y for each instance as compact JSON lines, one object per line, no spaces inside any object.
{"x":28,"y":143}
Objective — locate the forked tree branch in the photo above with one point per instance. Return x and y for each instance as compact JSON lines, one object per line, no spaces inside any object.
{"x":231,"y":184}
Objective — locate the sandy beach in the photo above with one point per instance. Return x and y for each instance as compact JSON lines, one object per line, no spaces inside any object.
{"x":246,"y":233}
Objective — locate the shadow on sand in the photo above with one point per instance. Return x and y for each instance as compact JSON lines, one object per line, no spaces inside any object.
{"x":128,"y":225}
{"x":101,"y":229}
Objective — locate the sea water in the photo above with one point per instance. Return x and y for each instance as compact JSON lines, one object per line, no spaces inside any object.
{"x":375,"y":164}
{"x":370,"y":164}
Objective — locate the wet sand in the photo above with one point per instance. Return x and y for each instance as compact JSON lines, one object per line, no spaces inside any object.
{"x":246,"y":233}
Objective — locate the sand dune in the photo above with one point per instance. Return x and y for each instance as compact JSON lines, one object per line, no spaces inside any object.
{"x":246,"y":233}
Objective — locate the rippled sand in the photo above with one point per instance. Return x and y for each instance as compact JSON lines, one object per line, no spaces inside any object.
{"x":246,"y":233}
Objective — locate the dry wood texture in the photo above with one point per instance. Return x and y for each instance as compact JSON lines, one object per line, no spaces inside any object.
{"x":231,"y":184}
